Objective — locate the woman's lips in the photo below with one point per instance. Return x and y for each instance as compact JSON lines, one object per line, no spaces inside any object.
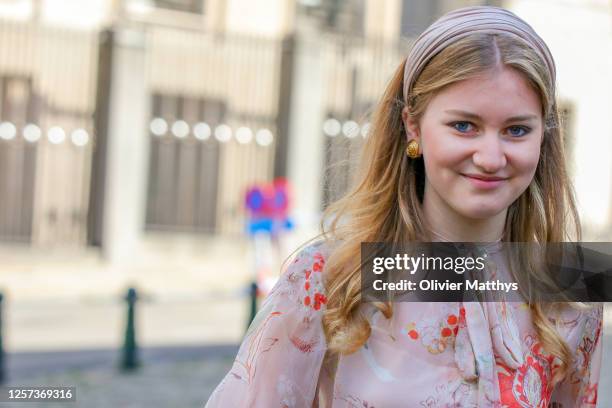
{"x":484,"y":182}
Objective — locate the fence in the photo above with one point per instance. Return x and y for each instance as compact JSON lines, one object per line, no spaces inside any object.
{"x":47,"y":98}
{"x":218,"y":122}
{"x":213,"y":127}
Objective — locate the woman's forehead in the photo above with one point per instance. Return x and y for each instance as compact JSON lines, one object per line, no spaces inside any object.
{"x":500,"y":95}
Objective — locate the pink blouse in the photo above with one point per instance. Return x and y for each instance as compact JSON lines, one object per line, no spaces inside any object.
{"x":460,"y":354}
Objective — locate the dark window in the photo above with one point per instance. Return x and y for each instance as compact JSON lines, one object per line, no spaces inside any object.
{"x":18,"y":107}
{"x":340,"y":16}
{"x":189,"y":6}
{"x":183,"y":172}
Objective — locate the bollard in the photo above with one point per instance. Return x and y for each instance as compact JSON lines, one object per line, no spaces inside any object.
{"x":252,"y":303}
{"x":2,"y":373}
{"x":129,"y":360}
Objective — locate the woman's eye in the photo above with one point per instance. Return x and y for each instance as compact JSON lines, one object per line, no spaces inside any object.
{"x":517,"y":130}
{"x":514,"y":131}
{"x":460,"y":126}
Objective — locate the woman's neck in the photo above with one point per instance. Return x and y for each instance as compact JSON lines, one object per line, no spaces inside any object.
{"x":445,"y":224}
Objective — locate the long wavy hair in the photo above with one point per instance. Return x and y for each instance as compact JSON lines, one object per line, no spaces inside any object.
{"x":384,"y":204}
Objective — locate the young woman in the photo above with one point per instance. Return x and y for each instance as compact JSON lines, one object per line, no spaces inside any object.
{"x":465,"y":146}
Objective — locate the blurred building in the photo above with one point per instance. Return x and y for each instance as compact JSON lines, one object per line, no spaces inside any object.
{"x":124,"y":117}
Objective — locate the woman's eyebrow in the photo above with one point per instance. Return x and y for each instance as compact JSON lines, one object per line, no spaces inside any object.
{"x":475,"y":116}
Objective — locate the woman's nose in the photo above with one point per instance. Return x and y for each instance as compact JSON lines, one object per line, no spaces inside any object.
{"x":489,"y":155}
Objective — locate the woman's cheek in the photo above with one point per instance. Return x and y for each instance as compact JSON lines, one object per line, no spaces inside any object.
{"x":525,"y":162}
{"x":442,"y":175}
{"x":524,"y":171}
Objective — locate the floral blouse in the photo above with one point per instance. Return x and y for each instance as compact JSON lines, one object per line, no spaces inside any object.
{"x":459,"y":354}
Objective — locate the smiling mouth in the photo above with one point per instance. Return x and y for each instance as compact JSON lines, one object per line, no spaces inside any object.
{"x":484,"y":182}
{"x":484,"y":178}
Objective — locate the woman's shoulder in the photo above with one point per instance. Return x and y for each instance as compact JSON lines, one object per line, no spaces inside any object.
{"x":303,"y":276}
{"x":320,"y":247}
{"x":311,"y":256}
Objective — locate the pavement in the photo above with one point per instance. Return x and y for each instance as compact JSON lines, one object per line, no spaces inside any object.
{"x":185,"y":348}
{"x":167,"y":376}
{"x":160,"y":266}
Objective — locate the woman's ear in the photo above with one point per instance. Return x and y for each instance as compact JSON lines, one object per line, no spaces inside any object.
{"x":410,"y":126}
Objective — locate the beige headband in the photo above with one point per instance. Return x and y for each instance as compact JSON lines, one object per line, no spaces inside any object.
{"x":462,"y":22}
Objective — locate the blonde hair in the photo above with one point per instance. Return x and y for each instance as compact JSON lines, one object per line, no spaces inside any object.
{"x":384,"y":204}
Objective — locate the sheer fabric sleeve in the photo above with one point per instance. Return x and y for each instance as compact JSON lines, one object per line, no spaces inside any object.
{"x":280,"y":358}
{"x":580,"y":387}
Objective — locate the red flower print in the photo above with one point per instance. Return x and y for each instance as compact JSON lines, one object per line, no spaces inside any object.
{"x":317,"y":266}
{"x":590,"y":394}
{"x":528,"y":385}
{"x":313,"y":285}
{"x":319,"y":299}
{"x":436,"y":333}
{"x":303,"y":345}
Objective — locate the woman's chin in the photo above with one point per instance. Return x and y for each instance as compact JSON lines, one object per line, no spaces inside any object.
{"x":481,"y":212}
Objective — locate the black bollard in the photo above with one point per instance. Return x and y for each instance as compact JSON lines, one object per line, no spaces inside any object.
{"x":252,"y":303}
{"x":2,"y":373}
{"x":129,"y":360}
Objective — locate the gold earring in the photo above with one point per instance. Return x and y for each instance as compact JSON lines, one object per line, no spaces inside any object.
{"x":412,"y":150}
